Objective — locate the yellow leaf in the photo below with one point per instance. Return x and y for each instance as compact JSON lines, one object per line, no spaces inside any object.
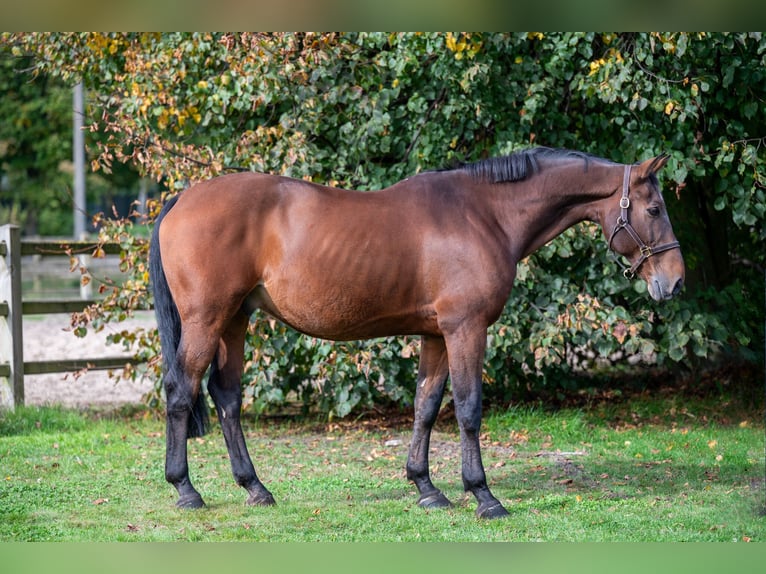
{"x":669,"y":108}
{"x":451,"y":42}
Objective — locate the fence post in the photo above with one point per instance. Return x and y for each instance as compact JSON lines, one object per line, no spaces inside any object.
{"x":11,"y":342}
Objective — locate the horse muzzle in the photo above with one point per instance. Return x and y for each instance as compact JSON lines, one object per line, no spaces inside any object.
{"x":662,"y":288}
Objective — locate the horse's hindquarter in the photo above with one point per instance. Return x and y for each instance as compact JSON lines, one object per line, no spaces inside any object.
{"x":339,"y":264}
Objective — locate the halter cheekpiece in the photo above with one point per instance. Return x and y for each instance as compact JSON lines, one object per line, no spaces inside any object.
{"x":623,"y":222}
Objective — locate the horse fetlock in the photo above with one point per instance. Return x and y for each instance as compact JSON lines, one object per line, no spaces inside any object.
{"x":416,"y":471}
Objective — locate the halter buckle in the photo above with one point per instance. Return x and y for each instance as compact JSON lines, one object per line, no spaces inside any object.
{"x":647,"y":251}
{"x":629,"y":274}
{"x":624,"y":202}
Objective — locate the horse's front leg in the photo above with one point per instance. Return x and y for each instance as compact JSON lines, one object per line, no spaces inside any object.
{"x":465,"y":349}
{"x":224,"y":386}
{"x":432,"y":375}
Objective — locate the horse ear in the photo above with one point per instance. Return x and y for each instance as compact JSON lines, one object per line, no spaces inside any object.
{"x":653,"y":165}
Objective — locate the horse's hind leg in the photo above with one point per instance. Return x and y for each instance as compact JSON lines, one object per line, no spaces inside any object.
{"x":176,"y":463}
{"x":182,"y":387}
{"x":224,"y":386}
{"x":432,"y":375}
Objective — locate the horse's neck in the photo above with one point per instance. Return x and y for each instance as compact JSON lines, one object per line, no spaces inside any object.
{"x":557,"y":200}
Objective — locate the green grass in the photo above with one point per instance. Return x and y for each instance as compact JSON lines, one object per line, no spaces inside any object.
{"x":644,"y":469}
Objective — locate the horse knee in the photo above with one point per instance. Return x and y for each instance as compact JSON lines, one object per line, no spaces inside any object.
{"x":470,"y":422}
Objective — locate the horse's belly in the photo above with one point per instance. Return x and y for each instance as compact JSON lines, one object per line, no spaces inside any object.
{"x":342,"y":317}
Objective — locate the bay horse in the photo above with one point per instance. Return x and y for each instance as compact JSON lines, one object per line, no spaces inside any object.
{"x":434,"y":255}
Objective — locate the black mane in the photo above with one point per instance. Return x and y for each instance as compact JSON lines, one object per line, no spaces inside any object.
{"x":519,"y":165}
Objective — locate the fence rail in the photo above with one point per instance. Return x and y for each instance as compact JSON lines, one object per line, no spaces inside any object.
{"x":12,"y":308}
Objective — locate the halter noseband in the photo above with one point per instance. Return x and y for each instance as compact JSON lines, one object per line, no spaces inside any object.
{"x":624,"y":223}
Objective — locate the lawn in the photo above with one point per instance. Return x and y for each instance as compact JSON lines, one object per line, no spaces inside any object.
{"x":642,"y":468}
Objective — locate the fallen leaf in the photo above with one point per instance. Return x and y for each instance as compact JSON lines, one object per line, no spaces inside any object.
{"x":100,"y":501}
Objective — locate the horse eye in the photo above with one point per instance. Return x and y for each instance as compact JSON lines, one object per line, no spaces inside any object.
{"x":653,"y":211}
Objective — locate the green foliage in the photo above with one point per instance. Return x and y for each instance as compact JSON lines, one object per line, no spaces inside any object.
{"x":35,"y":149}
{"x":284,"y":365}
{"x":36,"y":168}
{"x":364,"y":110}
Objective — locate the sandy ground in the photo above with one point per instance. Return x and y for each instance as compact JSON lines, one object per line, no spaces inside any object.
{"x":46,"y":338}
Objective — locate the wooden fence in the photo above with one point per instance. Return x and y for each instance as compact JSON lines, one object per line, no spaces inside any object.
{"x":12,"y":308}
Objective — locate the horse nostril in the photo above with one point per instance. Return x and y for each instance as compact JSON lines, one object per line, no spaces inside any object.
{"x":679,"y":285}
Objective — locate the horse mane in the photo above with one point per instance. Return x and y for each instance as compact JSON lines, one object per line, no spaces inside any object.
{"x":519,"y":165}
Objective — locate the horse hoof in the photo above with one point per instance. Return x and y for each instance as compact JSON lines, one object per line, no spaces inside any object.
{"x":491,"y":510}
{"x":190,"y":502}
{"x":261,"y":499}
{"x":435,"y":500}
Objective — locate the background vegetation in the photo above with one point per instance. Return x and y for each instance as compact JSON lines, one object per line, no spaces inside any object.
{"x":365,"y":110}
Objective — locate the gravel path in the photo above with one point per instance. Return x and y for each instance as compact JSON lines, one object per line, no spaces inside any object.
{"x":46,"y":338}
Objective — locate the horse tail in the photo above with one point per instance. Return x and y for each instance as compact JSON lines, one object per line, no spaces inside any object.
{"x":169,"y":323}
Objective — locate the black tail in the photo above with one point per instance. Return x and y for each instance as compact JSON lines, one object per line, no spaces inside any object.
{"x":169,"y":322}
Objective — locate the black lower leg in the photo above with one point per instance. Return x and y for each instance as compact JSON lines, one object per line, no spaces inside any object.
{"x":474,"y":478}
{"x":466,"y":368}
{"x":176,"y":465}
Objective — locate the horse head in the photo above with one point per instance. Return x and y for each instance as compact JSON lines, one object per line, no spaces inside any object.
{"x":642,"y":231}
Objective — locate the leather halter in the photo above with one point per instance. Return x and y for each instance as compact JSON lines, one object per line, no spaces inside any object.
{"x":624,"y":223}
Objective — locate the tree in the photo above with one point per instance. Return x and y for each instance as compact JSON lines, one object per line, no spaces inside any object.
{"x":365,"y":110}
{"x":36,"y":168}
{"x":35,"y":146}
